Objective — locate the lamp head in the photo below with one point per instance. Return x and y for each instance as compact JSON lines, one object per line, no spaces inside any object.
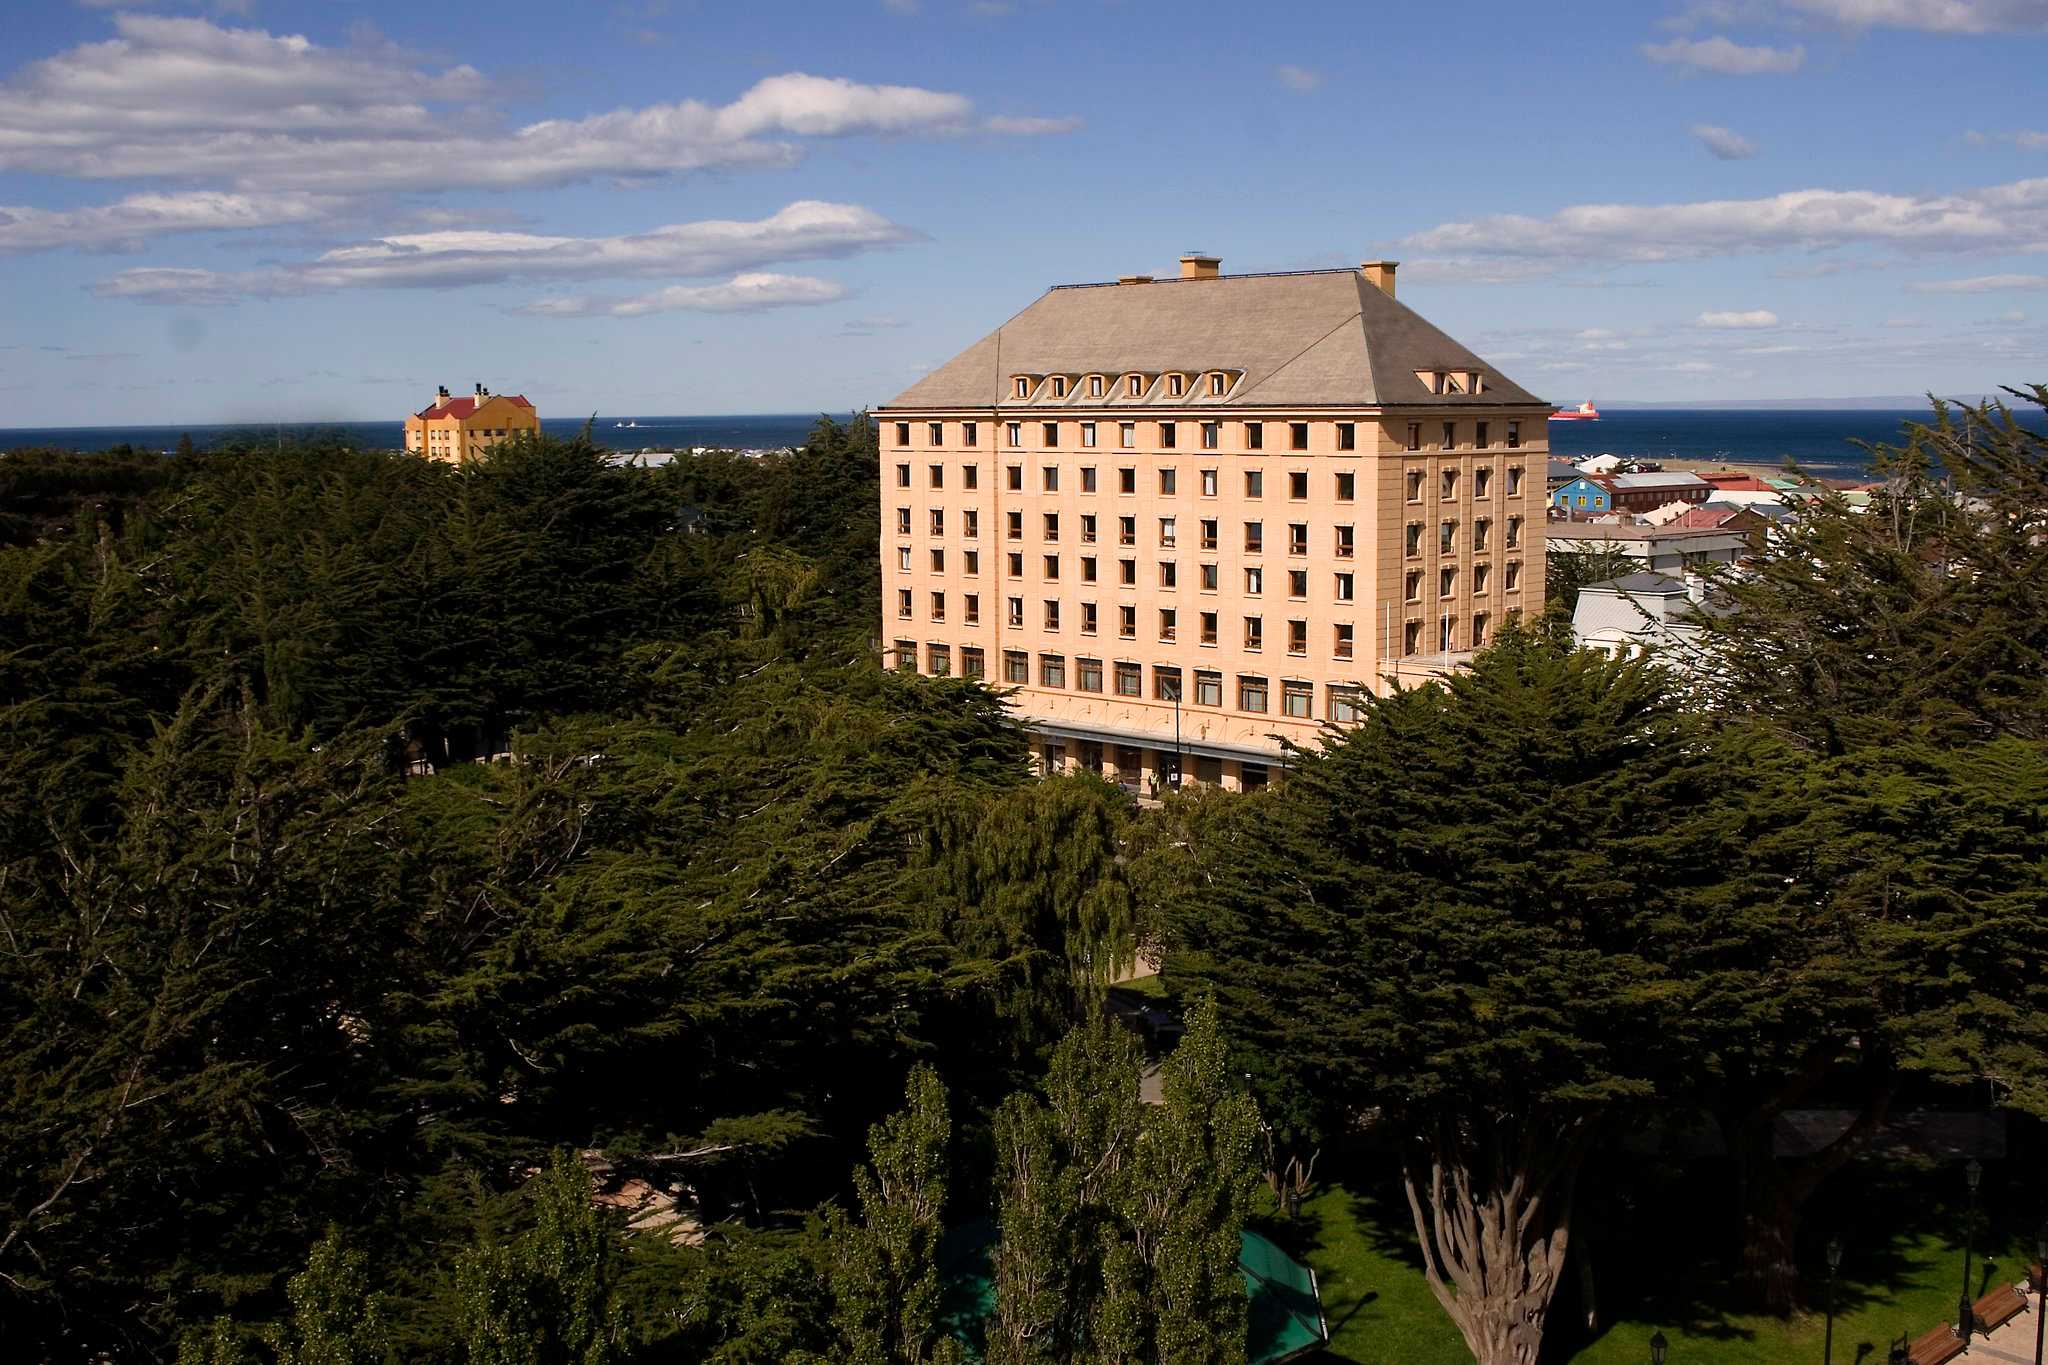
{"x":1834,"y":1253}
{"x":2041,"y":1242}
{"x":1973,"y":1173}
{"x":1658,"y":1346}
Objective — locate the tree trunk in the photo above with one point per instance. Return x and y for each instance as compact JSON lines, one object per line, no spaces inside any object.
{"x":1492,"y":1210}
{"x":1589,"y":1303}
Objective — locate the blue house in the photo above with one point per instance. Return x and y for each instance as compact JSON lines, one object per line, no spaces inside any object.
{"x":1582,"y":495}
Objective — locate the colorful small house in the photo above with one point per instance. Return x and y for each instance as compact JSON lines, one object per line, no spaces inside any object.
{"x":1582,"y":496}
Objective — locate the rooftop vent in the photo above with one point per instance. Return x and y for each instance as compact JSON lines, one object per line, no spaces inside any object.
{"x":1134,"y":279}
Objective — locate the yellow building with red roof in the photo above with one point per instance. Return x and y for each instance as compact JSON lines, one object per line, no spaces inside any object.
{"x":463,"y":428}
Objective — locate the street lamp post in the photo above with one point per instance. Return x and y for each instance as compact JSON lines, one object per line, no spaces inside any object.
{"x":1834,"y":1264}
{"x":2040,"y":1289}
{"x":1658,"y":1346}
{"x":1973,"y":1176}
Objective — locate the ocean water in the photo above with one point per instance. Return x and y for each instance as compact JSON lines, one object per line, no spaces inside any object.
{"x":1822,"y":440}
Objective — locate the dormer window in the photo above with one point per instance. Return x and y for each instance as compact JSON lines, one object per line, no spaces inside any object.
{"x":1137,"y":385}
{"x":1217,"y":384}
{"x":1176,"y":385}
{"x":1059,"y":386}
{"x":1473,"y":382}
{"x":1023,"y":386}
{"x":1095,"y":386}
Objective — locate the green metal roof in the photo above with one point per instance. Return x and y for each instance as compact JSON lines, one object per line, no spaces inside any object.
{"x":1286,"y":1314}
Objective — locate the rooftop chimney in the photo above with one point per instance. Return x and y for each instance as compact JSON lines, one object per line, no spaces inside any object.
{"x":1380,"y":273}
{"x":440,"y":395}
{"x":1196,"y":266}
{"x":1134,"y":279}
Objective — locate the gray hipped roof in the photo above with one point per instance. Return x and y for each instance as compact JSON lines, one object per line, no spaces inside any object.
{"x":1315,"y":338}
{"x":1640,"y":585}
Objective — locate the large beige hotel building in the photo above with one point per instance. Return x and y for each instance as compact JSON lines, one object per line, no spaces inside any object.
{"x":1185,"y":518}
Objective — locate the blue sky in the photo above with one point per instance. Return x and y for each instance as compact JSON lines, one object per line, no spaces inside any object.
{"x":263,"y":210}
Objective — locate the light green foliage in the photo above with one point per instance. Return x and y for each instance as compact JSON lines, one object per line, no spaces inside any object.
{"x":547,"y":1295}
{"x":336,"y":1319}
{"x":885,"y":1278}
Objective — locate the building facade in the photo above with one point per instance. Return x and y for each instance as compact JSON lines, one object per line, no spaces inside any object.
{"x":1186,"y":518}
{"x":463,"y":428}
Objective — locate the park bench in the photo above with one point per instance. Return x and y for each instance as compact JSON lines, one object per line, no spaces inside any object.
{"x":1999,"y":1307}
{"x":1936,"y":1346}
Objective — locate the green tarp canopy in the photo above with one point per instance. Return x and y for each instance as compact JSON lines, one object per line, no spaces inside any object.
{"x":1286,"y":1315}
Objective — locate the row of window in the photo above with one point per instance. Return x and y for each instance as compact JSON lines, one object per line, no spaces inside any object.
{"x":1251,"y":435}
{"x":1177,"y":383}
{"x":1343,"y":483}
{"x":1166,"y":576}
{"x":1343,"y":544}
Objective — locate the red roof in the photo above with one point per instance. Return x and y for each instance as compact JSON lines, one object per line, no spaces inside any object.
{"x":1710,"y":517}
{"x":1738,"y":483}
{"x":463,"y":407}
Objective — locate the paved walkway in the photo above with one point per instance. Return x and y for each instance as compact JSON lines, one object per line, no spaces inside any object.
{"x":2012,"y":1344}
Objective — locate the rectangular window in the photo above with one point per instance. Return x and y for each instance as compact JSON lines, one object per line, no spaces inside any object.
{"x":1127,"y":480}
{"x":938,"y":606}
{"x":1479,"y":530}
{"x":1208,"y":688}
{"x":1341,"y":643}
{"x":971,"y":523}
{"x":1415,"y":435}
{"x":1479,"y":574}
{"x":1052,"y":613}
{"x":903,"y":558}
{"x":1297,"y":583}
{"x":1051,"y":433}
{"x":1166,"y":532}
{"x":1087,"y":568}
{"x":906,"y":656}
{"x":1447,"y":537}
{"x":970,"y":476}
{"x":970,"y":562}
{"x":970,"y":608}
{"x":1511,"y":576}
{"x":1015,"y":431}
{"x":1254,"y":537}
{"x":1127,"y":623}
{"x":1136,"y":385}
{"x":1208,"y":627}
{"x":1514,"y":533}
{"x":1346,"y":587}
{"x":1208,"y":483}
{"x":935,"y":433}
{"x":1514,"y":436}
{"x":1127,"y":434}
{"x":1052,"y":670}
{"x":1254,"y":632}
{"x":1347,"y":436}
{"x":938,"y":559}
{"x":903,"y":603}
{"x":1014,"y":477}
{"x":1347,"y":487}
{"x":1052,"y":568}
{"x":1450,"y":480}
{"x":1088,"y":435}
{"x":1297,"y":538}
{"x":1088,"y":620}
{"x":1411,"y":544}
{"x":1023,"y":387}
{"x":1127,"y":530}
{"x":1347,"y":542}
{"x":969,"y":433}
{"x":1059,"y":386}
{"x":938,"y":476}
{"x":1087,"y":478}
{"x":1216,"y":385}
{"x":1446,"y":582}
{"x":1297,"y":699}
{"x":1479,"y":630}
{"x":1052,"y":526}
{"x":1347,"y":704}
{"x":1251,"y":694}
{"x":1297,"y":637}
{"x":1016,"y":611}
{"x":1450,"y":440}
{"x":1095,"y":391}
{"x":1514,"y":481}
{"x":1254,"y":483}
{"x":1212,"y":435}
{"x":1165,"y":683}
{"x":971,"y":665}
{"x":1209,"y":533}
{"x":903,"y":476}
{"x":1412,"y":585}
{"x":1297,"y":485}
{"x":1130,"y":681}
{"x":1049,"y":478}
{"x":903,"y":433}
{"x":1169,"y":574}
{"x":1482,"y":482}
{"x":1127,"y":572}
{"x":1167,"y":617}
{"x":1297,"y":435}
{"x":1411,"y":636}
{"x":1254,"y":435}
{"x":1479,"y":436}
{"x":1166,"y":435}
{"x":1016,"y":666}
{"x":1169,"y":482}
{"x":1088,"y":675}
{"x":1208,"y":578}
{"x":1414,"y":478}
{"x":1254,"y":581}
{"x":938,"y":521}
{"x":1014,"y":525}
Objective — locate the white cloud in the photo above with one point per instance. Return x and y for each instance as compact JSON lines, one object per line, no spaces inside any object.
{"x":1719,"y":55}
{"x":1298,"y":78}
{"x":2010,"y":217}
{"x":806,"y":230}
{"x":747,"y":293}
{"x":125,"y":223}
{"x":1932,"y":16}
{"x":1030,"y":127}
{"x":186,"y":98}
{"x":1724,"y":143}
{"x":1755,"y":317}
{"x":1980,"y":284}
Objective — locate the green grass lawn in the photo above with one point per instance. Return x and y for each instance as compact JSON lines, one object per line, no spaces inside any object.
{"x":1381,"y":1312}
